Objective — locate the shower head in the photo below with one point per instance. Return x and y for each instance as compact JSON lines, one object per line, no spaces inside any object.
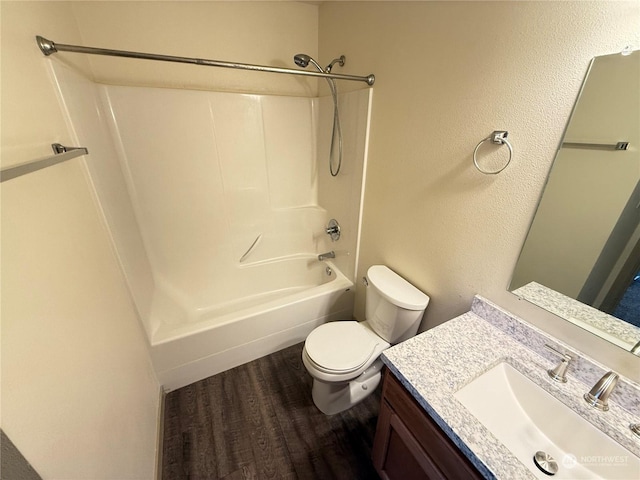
{"x":303,"y":60}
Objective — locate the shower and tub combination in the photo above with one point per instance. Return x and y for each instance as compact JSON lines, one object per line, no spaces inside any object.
{"x":219,"y":206}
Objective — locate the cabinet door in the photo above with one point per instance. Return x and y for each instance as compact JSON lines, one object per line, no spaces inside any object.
{"x":410,"y":445}
{"x":396,"y":452}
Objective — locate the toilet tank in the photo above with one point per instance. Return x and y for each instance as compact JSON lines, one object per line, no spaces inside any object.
{"x":393,"y":307}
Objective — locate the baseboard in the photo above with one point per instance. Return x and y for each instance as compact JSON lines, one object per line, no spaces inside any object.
{"x":160,"y":433}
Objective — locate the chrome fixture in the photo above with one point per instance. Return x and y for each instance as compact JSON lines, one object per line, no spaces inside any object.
{"x":598,"y":146}
{"x":498,"y":137}
{"x":303,"y":60}
{"x":333,"y":230}
{"x":599,"y":395}
{"x":328,"y":271}
{"x":545,"y":462}
{"x":61,"y":154}
{"x":324,"y":256}
{"x":635,"y":428}
{"x":47,"y":47}
{"x":559,"y":374}
{"x":339,"y":60}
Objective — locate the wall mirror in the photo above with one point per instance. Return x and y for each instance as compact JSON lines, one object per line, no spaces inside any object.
{"x":581,"y":257}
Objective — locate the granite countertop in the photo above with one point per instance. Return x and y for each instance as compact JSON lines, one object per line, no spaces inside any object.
{"x":437,"y":363}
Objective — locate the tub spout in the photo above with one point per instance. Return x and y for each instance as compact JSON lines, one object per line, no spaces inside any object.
{"x":324,"y":256}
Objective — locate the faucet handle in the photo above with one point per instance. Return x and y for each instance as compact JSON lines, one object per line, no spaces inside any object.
{"x":333,"y":230}
{"x":559,"y":374}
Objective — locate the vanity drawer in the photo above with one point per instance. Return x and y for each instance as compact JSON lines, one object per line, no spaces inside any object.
{"x":408,"y":443}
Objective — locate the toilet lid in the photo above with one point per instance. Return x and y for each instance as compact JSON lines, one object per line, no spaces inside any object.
{"x":341,"y":346}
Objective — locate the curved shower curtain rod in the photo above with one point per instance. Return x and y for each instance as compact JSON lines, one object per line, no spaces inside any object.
{"x":48,"y":47}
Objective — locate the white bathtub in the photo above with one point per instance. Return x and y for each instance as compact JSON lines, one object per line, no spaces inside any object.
{"x":296,"y":296}
{"x":181,"y":222}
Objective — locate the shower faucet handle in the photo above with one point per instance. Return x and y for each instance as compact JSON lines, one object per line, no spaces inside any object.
{"x":333,"y":230}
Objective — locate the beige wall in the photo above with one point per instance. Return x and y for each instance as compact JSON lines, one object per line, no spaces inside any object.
{"x":79,"y":397}
{"x":263,"y":33}
{"x":448,"y":74}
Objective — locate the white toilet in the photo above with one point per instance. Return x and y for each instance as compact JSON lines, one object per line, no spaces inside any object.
{"x":344,"y":357}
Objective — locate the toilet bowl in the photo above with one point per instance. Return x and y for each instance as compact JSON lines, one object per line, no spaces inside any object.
{"x":343,"y":357}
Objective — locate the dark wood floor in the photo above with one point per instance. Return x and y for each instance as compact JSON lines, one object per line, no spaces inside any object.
{"x":258,"y":421}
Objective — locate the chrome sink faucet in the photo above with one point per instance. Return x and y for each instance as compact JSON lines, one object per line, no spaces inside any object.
{"x":599,"y":395}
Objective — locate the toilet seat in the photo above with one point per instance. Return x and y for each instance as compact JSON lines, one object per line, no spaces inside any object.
{"x":342,"y":347}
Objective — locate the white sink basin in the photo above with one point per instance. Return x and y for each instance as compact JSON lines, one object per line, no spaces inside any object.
{"x":527,"y":419}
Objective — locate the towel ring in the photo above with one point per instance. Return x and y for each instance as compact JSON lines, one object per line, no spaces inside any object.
{"x":498,"y":137}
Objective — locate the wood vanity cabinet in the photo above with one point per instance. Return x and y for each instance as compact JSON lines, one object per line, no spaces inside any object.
{"x":409,"y":445}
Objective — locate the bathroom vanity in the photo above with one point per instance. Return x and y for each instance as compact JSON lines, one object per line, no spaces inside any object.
{"x":449,"y":394}
{"x":409,"y":444}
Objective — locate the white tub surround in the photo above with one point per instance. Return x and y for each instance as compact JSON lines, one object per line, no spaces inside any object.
{"x":437,"y":363}
{"x":217,"y":205}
